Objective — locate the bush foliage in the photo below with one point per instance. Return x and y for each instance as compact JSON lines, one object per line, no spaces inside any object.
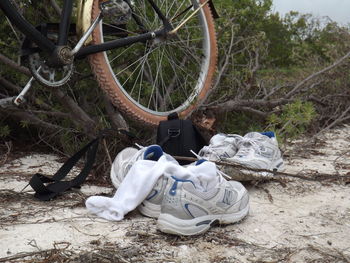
{"x":263,"y":80}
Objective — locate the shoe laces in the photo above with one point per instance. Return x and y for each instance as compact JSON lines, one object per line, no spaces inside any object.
{"x":212,"y":149}
{"x":209,"y":150}
{"x":220,"y":173}
{"x":197,"y":155}
{"x":139,"y":146}
{"x":246,"y":145}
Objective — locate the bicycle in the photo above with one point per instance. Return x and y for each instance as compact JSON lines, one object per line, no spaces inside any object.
{"x":151,"y":57}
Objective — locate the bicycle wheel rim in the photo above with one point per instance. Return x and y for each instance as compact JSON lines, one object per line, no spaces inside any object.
{"x":192,"y":67}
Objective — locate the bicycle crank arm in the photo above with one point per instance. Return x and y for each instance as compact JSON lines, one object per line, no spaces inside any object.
{"x":6,"y":102}
{"x":20,"y":98}
{"x":86,"y":35}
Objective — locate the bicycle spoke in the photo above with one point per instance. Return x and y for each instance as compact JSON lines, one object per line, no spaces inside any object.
{"x":140,"y":75}
{"x":166,"y":73}
{"x":157,"y":76}
{"x":177,"y":69}
{"x":124,"y":69}
{"x":130,"y":75}
{"x":119,"y":28}
{"x":122,"y":53}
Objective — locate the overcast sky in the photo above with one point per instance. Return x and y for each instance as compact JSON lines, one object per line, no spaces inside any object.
{"x":337,"y":10}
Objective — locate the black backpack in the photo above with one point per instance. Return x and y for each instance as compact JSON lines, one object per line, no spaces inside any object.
{"x":178,"y":137}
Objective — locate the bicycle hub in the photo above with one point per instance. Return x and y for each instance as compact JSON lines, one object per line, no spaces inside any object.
{"x":62,"y":56}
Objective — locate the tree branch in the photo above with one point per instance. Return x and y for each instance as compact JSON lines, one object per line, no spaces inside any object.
{"x":52,"y":113}
{"x":240,"y":104}
{"x":223,"y":64}
{"x":27,"y":117}
{"x":10,"y":85}
{"x":314,"y":75}
{"x":116,"y":118}
{"x":14,"y":65}
{"x":78,"y":115}
{"x":56,"y":7}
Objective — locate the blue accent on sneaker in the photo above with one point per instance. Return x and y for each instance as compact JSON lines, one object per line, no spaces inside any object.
{"x":186,"y":207}
{"x":269,"y":134}
{"x":200,"y":161}
{"x":153,"y":153}
{"x":174,"y":186}
{"x":152,"y":194}
{"x":205,"y":222}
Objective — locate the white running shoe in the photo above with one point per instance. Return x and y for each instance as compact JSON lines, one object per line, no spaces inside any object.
{"x":122,"y":164}
{"x":221,"y":146}
{"x":260,"y":151}
{"x":188,"y":211}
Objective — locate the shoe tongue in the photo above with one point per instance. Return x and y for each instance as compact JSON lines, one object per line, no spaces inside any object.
{"x":199,"y":162}
{"x":253,"y":138}
{"x":153,"y":153}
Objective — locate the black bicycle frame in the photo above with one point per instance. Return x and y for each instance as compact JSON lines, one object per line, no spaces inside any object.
{"x":45,"y":44}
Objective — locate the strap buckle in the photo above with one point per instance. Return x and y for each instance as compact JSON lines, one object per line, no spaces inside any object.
{"x":173,"y":133}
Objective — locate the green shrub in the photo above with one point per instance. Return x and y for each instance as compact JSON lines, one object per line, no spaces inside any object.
{"x":293,"y":119}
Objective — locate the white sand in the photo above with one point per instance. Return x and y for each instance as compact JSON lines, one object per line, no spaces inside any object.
{"x":300,"y":221}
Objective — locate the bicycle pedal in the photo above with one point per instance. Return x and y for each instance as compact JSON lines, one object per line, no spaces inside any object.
{"x":118,"y":11}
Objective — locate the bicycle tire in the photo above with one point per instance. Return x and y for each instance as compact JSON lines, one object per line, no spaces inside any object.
{"x":121,"y":94}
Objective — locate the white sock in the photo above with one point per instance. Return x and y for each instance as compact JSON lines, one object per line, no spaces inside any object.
{"x":141,"y":179}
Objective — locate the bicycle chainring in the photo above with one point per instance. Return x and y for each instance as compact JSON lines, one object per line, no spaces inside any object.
{"x":45,"y":74}
{"x":49,"y":76}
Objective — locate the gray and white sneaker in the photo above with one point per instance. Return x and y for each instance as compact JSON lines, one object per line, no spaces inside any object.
{"x":221,"y":146}
{"x":260,"y":151}
{"x":188,"y":211}
{"x":122,"y":164}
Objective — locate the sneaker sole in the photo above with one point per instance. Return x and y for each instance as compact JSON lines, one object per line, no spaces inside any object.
{"x":172,"y":225}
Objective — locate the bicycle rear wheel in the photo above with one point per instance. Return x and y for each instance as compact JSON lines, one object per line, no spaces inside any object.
{"x":148,"y":81}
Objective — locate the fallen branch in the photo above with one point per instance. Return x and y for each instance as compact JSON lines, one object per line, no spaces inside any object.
{"x":316,"y":74}
{"x":46,"y":254}
{"x":14,"y":65}
{"x":242,"y":173}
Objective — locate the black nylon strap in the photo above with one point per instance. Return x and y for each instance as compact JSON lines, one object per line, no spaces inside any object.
{"x":56,"y":186}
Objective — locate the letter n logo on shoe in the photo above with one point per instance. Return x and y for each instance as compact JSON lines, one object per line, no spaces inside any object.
{"x":227,"y":199}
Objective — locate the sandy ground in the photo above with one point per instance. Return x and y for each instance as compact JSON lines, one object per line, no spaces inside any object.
{"x":290,"y":220}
